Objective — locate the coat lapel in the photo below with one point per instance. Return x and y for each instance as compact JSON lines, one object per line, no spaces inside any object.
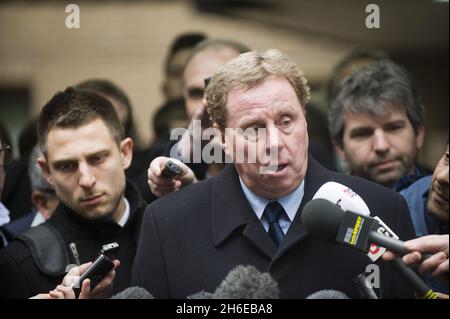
{"x":231,"y":212}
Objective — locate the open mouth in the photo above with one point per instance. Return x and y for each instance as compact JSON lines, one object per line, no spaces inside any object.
{"x":281,"y":167}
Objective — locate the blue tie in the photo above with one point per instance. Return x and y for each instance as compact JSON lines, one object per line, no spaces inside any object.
{"x":273,"y":213}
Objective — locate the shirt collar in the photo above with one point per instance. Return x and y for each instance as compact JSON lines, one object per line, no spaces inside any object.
{"x":290,"y":202}
{"x":37,"y":219}
{"x":4,"y":215}
{"x":126,"y":214}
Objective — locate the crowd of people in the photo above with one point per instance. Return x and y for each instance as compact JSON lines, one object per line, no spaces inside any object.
{"x":82,"y":184}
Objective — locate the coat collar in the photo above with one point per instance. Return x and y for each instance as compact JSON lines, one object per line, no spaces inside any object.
{"x":68,"y":219}
{"x":231,"y":212}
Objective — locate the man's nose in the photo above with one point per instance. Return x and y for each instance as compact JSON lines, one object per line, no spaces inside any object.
{"x":380,"y":143}
{"x":87,"y":179}
{"x":442,"y":176}
{"x":274,"y":141}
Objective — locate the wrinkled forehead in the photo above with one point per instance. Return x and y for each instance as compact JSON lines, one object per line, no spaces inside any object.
{"x":270,"y":89}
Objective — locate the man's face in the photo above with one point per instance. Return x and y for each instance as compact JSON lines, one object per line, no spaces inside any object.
{"x":86,"y":168}
{"x":202,"y":66}
{"x":173,"y":84}
{"x":381,"y":149}
{"x":438,"y":195}
{"x":274,"y":106}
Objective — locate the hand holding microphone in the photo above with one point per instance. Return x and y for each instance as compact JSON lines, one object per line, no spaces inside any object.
{"x":437,"y":264}
{"x":324,"y":218}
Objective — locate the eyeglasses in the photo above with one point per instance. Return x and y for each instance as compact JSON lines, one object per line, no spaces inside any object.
{"x":5,"y":155}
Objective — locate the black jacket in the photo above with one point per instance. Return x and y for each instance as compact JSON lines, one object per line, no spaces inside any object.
{"x":16,"y":194}
{"x":191,"y":239}
{"x":21,"y":277}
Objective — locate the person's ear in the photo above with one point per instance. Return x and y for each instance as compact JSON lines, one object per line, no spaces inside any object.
{"x":164,"y":88}
{"x":420,"y":136}
{"x":41,"y":202}
{"x":220,"y":138}
{"x":126,"y":151}
{"x":43,"y":164}
{"x":339,"y":149}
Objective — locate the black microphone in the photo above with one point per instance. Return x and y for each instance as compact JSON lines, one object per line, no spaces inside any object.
{"x":328,"y":294}
{"x":364,"y":287}
{"x":133,"y":293}
{"x":247,"y":282}
{"x":326,"y":220}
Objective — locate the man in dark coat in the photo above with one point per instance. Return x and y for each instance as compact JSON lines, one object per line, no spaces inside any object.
{"x":85,"y":156}
{"x":251,"y":213}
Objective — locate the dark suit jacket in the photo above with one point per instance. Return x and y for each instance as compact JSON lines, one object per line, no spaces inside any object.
{"x":192,"y":238}
{"x":16,"y":194}
{"x":18,"y":226}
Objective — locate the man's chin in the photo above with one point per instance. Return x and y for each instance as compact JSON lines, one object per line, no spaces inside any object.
{"x":94,"y":214}
{"x":278,"y":190}
{"x":386,"y":178}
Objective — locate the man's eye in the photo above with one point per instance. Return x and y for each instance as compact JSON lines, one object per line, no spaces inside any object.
{"x":97,"y":159}
{"x":67,"y":167}
{"x":285,"y":122}
{"x":394,"y":128}
{"x":250,"y":133}
{"x":361,"y":134}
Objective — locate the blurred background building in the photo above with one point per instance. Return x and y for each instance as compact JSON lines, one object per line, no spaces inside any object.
{"x":126,"y":42}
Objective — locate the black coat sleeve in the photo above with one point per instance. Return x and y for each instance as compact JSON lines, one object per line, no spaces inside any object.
{"x":14,"y":283}
{"x":149,"y":271}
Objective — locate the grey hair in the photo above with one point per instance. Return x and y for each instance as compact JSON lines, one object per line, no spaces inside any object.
{"x":37,"y":178}
{"x":248,"y":70}
{"x":379,"y":89}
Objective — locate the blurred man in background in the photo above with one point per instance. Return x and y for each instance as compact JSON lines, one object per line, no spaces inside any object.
{"x":376,"y":123}
{"x":179,"y":53}
{"x":43,"y":197}
{"x":4,"y":158}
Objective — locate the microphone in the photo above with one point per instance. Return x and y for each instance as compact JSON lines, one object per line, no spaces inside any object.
{"x":133,"y":293}
{"x":201,"y":295}
{"x":325,"y":220}
{"x":364,"y":287}
{"x":247,"y":282}
{"x":328,"y":294}
{"x":342,"y":196}
{"x":347,"y":199}
{"x":328,"y":221}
